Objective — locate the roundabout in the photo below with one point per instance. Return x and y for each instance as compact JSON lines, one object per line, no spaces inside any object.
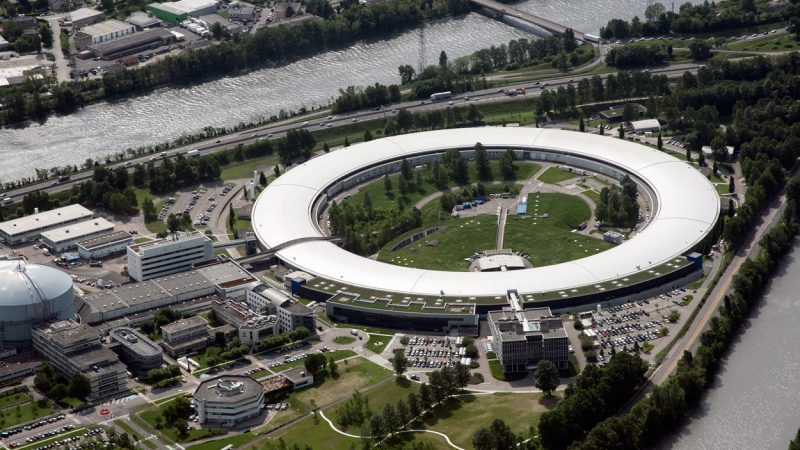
{"x":685,"y":209}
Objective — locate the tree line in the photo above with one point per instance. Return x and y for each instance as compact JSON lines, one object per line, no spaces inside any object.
{"x":700,"y":18}
{"x":617,"y":206}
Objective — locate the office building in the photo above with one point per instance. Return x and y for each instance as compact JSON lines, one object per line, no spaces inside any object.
{"x":231,"y":279}
{"x":102,"y":32}
{"x":228,"y":400}
{"x":74,"y":348}
{"x":105,"y":245}
{"x":29,"y":228}
{"x":523,"y":338}
{"x":167,"y":256}
{"x":136,"y":350}
{"x":252,"y":327}
{"x":65,"y":238}
{"x":185,"y":336}
{"x":291,"y":313}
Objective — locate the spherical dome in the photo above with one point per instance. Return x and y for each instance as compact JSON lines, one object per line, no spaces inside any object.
{"x":23,"y":284}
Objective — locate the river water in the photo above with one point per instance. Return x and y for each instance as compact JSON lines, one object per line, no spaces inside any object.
{"x":164,"y":115}
{"x":755,"y":401}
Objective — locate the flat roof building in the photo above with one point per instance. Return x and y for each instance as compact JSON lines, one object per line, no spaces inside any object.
{"x":136,"y":350}
{"x":614,"y":237}
{"x":299,"y":377}
{"x":84,"y":16}
{"x":176,"y":253}
{"x":228,"y":400}
{"x":102,"y":32}
{"x":143,"y":20}
{"x":65,"y":238}
{"x":500,"y":261}
{"x":181,"y":10}
{"x":231,"y":279}
{"x":28,"y":228}
{"x":102,"y":246}
{"x":74,"y":348}
{"x":132,"y":43}
{"x":643,"y":126}
{"x":252,"y":327}
{"x":522,"y":338}
{"x":185,"y":336}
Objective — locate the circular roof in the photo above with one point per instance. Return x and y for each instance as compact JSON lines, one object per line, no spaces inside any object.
{"x":687,"y":207}
{"x":22,"y":283}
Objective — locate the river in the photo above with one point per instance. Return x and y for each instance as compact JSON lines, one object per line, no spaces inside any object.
{"x":755,"y":400}
{"x":166,"y":114}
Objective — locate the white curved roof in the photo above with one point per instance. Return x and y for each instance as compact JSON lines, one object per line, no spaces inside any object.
{"x":687,"y":208}
{"x":24,"y":284}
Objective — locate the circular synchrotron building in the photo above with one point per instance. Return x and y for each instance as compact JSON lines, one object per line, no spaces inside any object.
{"x":31,"y":294}
{"x":684,"y":211}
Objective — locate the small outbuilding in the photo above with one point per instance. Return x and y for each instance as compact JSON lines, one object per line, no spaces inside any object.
{"x":644,"y":126}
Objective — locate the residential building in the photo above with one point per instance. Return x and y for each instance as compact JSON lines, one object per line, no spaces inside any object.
{"x":105,"y":245}
{"x":82,"y":17}
{"x":185,"y":336}
{"x":65,"y":238}
{"x":522,"y":338}
{"x":167,"y":256}
{"x":102,"y":32}
{"x":228,"y":400}
{"x":29,"y":228}
{"x":136,"y":350}
{"x":74,"y":348}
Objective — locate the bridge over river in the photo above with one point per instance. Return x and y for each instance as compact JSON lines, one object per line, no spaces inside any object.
{"x":500,"y":9}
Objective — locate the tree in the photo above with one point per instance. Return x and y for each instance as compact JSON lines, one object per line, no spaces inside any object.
{"x":546,"y":377}
{"x":173,"y":223}
{"x":314,"y":363}
{"x":58,"y":392}
{"x":325,"y":147}
{"x":367,"y":136}
{"x":688,"y":154}
{"x":581,"y":125}
{"x":387,"y":184}
{"x":483,"y":440}
{"x":405,"y":170}
{"x":400,"y":363}
{"x":413,"y":404}
{"x":794,"y":444}
{"x":443,"y":60}
{"x":731,"y":185}
{"x":482,"y":163}
{"x":700,"y":49}
{"x":149,"y":210}
{"x":182,"y":426}
{"x":333,"y":368}
{"x":621,"y":132}
{"x":346,"y":142}
{"x":277,"y":171}
{"x":79,"y":386}
{"x":507,"y":165}
{"x":108,"y":5}
{"x":262,"y":179}
{"x":660,"y":142}
{"x":406,"y":73}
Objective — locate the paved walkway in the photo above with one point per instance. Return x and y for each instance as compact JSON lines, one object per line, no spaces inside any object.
{"x":62,"y":69}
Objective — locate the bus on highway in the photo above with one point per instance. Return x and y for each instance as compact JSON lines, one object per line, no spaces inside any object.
{"x":441,"y":96}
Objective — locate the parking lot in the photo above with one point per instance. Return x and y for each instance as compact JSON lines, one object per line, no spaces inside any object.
{"x":434,"y":352}
{"x":642,"y":325}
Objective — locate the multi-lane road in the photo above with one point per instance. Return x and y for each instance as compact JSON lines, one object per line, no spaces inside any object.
{"x":278,"y":130}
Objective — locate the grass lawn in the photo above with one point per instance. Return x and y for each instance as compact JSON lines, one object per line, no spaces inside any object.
{"x":337,"y":355}
{"x":260,"y":374}
{"x":551,"y":240}
{"x":592,"y":194}
{"x":497,"y":372}
{"x":237,"y":441}
{"x":374,"y":330}
{"x":771,"y":43}
{"x":354,"y":374}
{"x":136,"y":436}
{"x":388,"y":200}
{"x":377,"y":343}
{"x":459,"y":239}
{"x":155,"y":226}
{"x":244,"y":169}
{"x":14,"y":399}
{"x":149,"y":415}
{"x":22,"y":413}
{"x":460,"y":417}
{"x":141,"y":240}
{"x":554,"y":175}
{"x":344,"y":340}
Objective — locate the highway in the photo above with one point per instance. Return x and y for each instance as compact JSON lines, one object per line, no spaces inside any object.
{"x":278,"y":130}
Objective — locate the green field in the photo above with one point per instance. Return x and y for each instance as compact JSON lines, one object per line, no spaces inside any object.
{"x":337,"y":355}
{"x":592,"y":194}
{"x":244,"y":169}
{"x":772,"y":43}
{"x":136,"y":436}
{"x":237,"y":441}
{"x":344,"y":340}
{"x":23,"y":413}
{"x":14,"y":399}
{"x":354,"y":374}
{"x":459,"y":239}
{"x":551,"y":240}
{"x":554,"y":175}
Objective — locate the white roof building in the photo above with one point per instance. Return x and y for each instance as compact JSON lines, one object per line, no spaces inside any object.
{"x":641,"y":126}
{"x":685,"y":209}
{"x":64,"y":238}
{"x":29,"y":227}
{"x":707,"y":151}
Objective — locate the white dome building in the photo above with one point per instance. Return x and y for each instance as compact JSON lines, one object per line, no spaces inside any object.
{"x":31,"y":294}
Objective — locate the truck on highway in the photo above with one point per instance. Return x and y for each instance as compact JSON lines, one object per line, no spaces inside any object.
{"x":63,"y":178}
{"x":8,"y":201}
{"x":194,"y":152}
{"x":441,"y":96}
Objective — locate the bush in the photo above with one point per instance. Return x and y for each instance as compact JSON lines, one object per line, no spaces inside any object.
{"x":577,"y":324}
{"x":471,"y":351}
{"x":673,"y":316}
{"x":591,"y":356}
{"x":404,"y":340}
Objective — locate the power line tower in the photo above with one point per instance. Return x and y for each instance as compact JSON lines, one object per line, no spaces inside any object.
{"x":422,"y":63}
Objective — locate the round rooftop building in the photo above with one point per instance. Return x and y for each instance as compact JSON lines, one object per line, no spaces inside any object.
{"x":31,"y":294}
